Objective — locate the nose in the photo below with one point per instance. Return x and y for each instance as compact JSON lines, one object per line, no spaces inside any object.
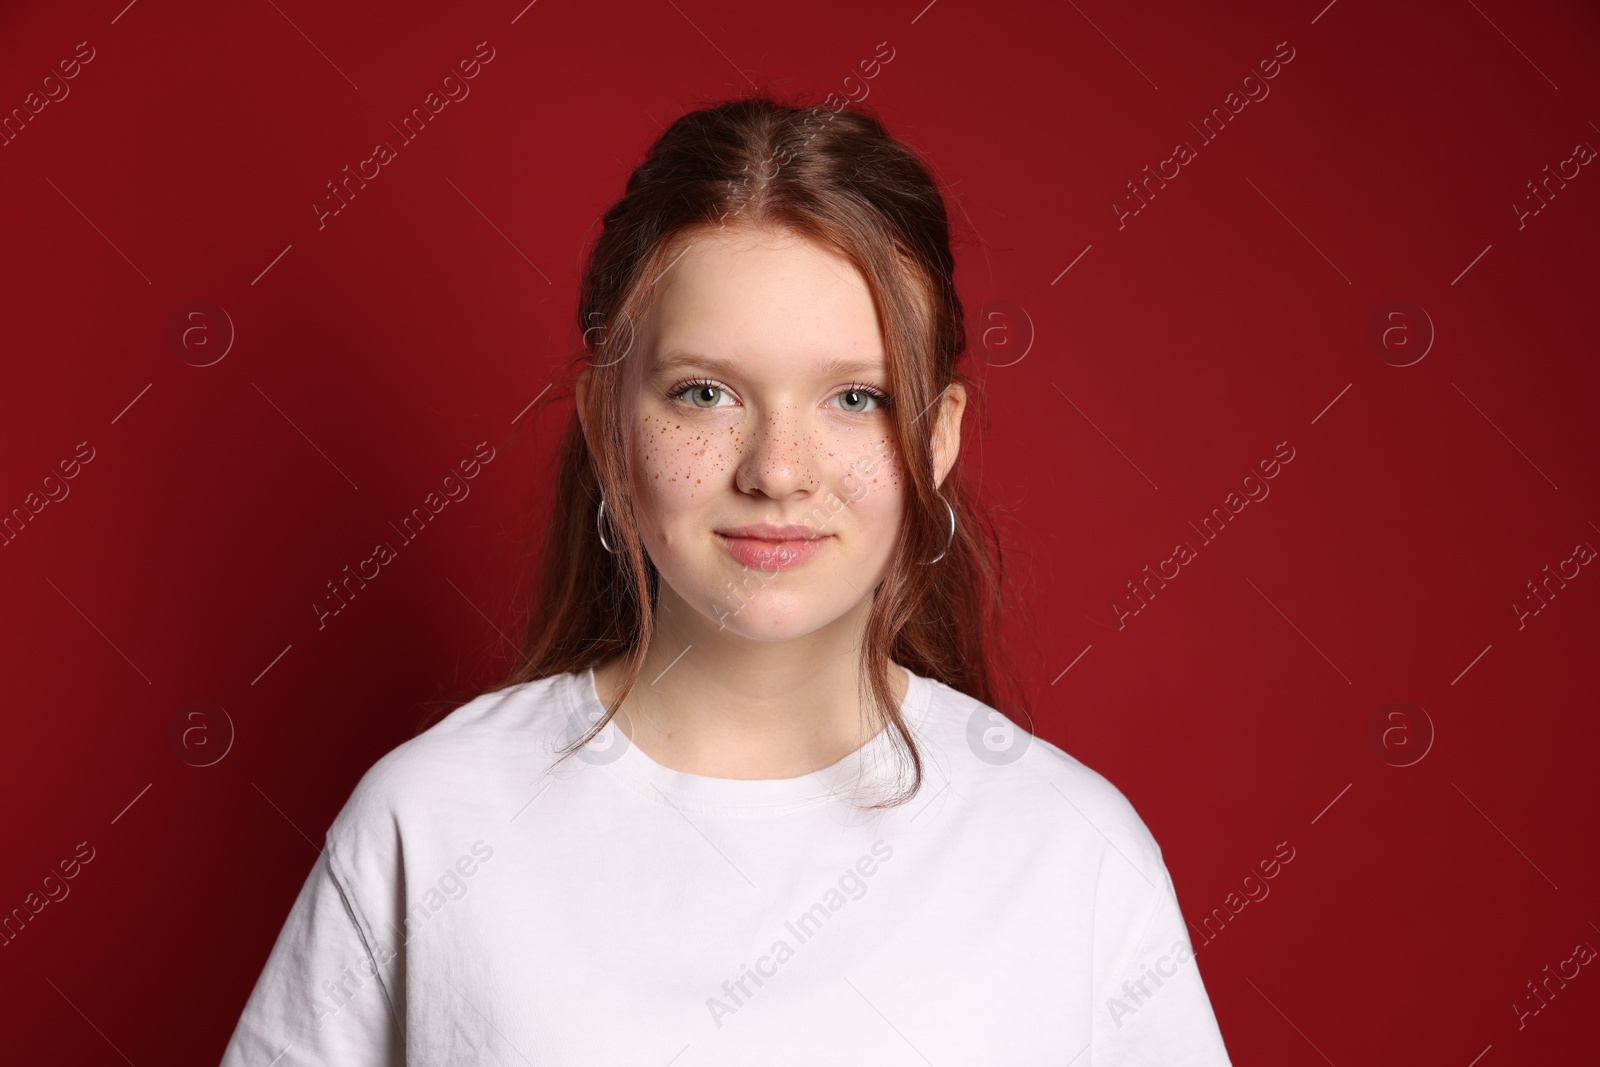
{"x":776,"y":461}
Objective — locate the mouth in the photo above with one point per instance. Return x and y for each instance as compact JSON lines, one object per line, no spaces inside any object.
{"x":772,"y":547}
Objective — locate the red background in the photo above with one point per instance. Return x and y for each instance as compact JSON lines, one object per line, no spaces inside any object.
{"x":1129,"y":395}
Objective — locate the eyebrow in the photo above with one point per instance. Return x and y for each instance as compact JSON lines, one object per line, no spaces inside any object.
{"x":729,"y":368}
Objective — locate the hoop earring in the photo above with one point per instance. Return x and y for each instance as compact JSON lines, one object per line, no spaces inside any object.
{"x":952,"y":538}
{"x":599,"y":525}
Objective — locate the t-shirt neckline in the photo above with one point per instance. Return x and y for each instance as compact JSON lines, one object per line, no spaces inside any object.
{"x":872,"y":763}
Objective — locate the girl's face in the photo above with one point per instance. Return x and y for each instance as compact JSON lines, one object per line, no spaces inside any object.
{"x":768,"y":488}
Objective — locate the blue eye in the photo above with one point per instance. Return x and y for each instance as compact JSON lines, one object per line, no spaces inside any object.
{"x":704,"y":395}
{"x":700,"y":388}
{"x":861,"y":394}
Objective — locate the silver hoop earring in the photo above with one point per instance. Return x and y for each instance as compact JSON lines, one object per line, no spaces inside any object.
{"x":599,"y":525}
{"x":952,"y":538}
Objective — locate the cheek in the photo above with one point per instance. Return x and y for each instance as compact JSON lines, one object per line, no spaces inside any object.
{"x":870,"y":481}
{"x":681,"y":465}
{"x":873,"y":471}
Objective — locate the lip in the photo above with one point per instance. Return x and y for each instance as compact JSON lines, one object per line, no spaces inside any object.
{"x":773,"y":531}
{"x":771,"y":547}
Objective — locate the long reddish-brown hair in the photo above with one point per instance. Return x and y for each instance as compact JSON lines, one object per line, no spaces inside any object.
{"x":836,"y":177}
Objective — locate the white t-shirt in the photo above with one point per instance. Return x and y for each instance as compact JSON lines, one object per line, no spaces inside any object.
{"x":469,"y":909}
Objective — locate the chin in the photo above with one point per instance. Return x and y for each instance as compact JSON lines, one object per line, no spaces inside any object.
{"x":767,"y":619}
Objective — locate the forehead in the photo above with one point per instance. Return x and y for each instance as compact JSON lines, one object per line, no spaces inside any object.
{"x":763,"y":294}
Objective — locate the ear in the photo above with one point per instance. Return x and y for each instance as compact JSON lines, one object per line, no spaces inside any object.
{"x":947,"y":429}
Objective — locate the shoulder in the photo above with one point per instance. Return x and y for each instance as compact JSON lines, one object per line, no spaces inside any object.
{"x":1010,"y":773}
{"x":466,"y":765}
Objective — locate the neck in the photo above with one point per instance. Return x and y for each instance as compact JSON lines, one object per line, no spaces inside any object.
{"x":716,"y":703}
